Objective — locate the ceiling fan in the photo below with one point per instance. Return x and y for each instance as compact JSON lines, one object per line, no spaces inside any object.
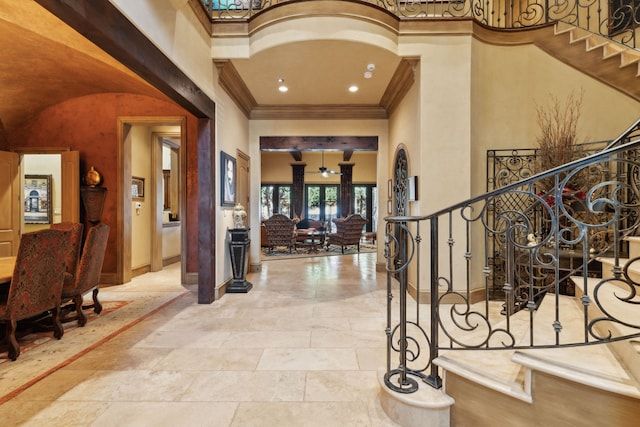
{"x":324,"y":171}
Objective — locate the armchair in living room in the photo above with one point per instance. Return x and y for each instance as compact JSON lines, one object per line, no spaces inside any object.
{"x":348,"y":231}
{"x":280,"y":232}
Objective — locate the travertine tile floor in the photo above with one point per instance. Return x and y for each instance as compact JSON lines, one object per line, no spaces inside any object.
{"x":302,"y":348}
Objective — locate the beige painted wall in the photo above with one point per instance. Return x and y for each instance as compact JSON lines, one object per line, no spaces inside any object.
{"x":141,"y":217}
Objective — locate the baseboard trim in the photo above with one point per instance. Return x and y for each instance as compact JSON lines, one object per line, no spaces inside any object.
{"x":475,"y":295}
{"x":171,"y":260}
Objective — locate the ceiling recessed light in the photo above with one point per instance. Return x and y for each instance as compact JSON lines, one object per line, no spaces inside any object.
{"x":371,"y":67}
{"x":368,"y":74}
{"x":353,"y":88}
{"x":283,"y":88}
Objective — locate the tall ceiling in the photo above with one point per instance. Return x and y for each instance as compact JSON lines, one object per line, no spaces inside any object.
{"x":318,"y":72}
{"x":47,"y":62}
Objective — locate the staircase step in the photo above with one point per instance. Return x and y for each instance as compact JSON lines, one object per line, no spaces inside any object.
{"x":578,"y":34}
{"x":634,"y":246}
{"x":509,"y":371}
{"x":627,"y":352}
{"x":608,"y":263}
{"x":611,"y":49}
{"x":562,"y":27}
{"x":595,"y":41}
{"x":630,"y":58}
{"x":554,"y":362}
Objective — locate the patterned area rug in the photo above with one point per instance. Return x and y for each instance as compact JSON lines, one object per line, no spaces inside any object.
{"x":28,"y":338}
{"x":283,"y":253}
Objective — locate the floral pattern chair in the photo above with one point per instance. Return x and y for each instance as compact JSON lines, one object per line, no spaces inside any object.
{"x":348,"y":231}
{"x":280,"y":232}
{"x":73,"y":254}
{"x":87,"y":277}
{"x":36,"y":285}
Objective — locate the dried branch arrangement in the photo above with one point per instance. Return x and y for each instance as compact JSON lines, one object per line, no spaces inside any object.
{"x":558,"y":141}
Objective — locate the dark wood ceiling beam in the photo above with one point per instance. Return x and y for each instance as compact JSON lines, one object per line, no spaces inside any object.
{"x":105,"y":26}
{"x":319,"y":143}
{"x":318,"y":112}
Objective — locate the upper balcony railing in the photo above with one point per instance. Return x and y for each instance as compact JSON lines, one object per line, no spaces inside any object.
{"x":618,"y":20}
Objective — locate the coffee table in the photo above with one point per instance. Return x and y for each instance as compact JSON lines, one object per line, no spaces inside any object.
{"x":311,"y":238}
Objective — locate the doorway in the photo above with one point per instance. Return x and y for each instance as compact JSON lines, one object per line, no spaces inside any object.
{"x":143,"y":234}
{"x":322,"y":203}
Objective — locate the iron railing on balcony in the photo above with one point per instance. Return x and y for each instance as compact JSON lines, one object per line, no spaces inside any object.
{"x":618,"y":20}
{"x":549,"y":226}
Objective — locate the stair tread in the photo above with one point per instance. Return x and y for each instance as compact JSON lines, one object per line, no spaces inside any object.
{"x":503,"y":370}
{"x":608,"y":298}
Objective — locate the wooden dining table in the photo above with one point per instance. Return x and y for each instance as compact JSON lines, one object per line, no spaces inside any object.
{"x":6,"y":269}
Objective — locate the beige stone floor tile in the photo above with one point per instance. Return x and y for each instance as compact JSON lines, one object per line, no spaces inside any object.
{"x":304,"y":414}
{"x":308,"y":359}
{"x":113,"y":386}
{"x":206,"y":359}
{"x":167,"y":414}
{"x":267,"y":339}
{"x":246,"y":386}
{"x":371,"y":359}
{"x":347,"y":339}
{"x":344,"y":386}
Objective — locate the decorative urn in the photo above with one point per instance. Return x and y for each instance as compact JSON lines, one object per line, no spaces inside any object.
{"x":239,"y":215}
{"x":92,"y":177}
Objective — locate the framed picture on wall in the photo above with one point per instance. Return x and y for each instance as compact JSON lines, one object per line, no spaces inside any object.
{"x":137,"y":188}
{"x":227,"y":179}
{"x":37,"y":199}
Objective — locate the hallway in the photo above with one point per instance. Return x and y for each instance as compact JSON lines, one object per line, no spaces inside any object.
{"x":302,"y":348}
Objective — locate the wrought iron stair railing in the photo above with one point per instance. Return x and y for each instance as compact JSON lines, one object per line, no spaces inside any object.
{"x":618,"y":20}
{"x":556,"y":221}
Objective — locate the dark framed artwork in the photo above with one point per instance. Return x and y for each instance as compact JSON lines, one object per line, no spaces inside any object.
{"x":37,"y":199}
{"x":227,"y":179}
{"x":137,"y":188}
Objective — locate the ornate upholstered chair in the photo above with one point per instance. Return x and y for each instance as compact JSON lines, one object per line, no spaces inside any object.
{"x":280,"y":232}
{"x":75,"y":230}
{"x":36,"y":285}
{"x":348,"y":231}
{"x":87,"y":277}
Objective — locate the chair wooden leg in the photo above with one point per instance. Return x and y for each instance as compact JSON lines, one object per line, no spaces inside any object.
{"x":82,"y":318}
{"x":97,"y":307}
{"x":14,"y":347}
{"x":58,"y":330}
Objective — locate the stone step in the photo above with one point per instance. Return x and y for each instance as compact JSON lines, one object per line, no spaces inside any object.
{"x":627,"y":352}
{"x":508,"y":371}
